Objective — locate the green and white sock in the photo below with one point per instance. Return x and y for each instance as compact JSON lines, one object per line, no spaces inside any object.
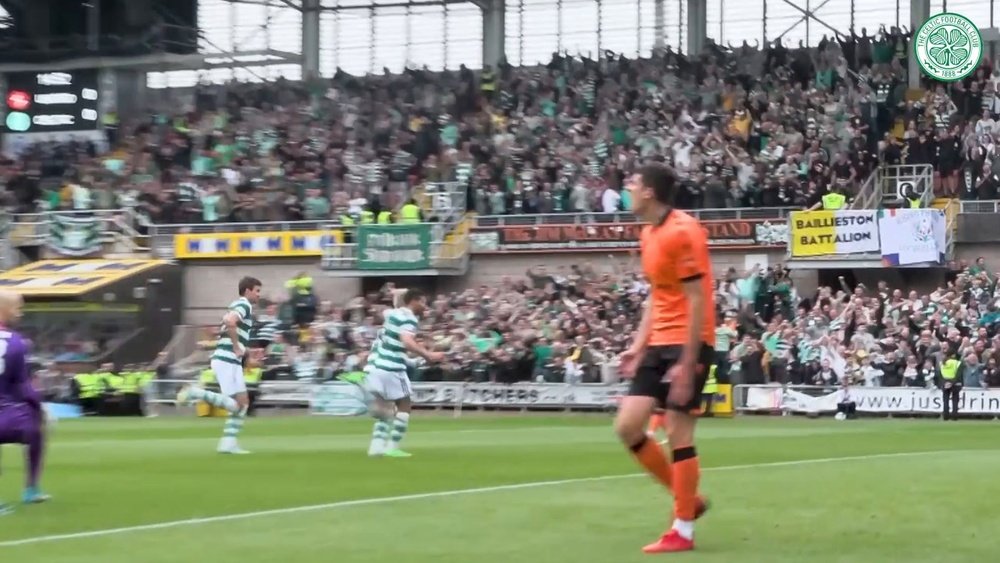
{"x":399,"y":426}
{"x":380,"y":431}
{"x":234,"y":424}
{"x":196,"y":394}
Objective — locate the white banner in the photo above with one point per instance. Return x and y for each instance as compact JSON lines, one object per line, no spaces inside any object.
{"x":517,"y":395}
{"x":345,"y":399}
{"x":884,"y":400}
{"x":912,"y":236}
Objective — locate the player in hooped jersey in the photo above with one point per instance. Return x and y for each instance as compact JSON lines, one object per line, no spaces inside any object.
{"x":673,"y":349}
{"x":227,"y":364}
{"x":22,"y":417}
{"x":387,"y":378}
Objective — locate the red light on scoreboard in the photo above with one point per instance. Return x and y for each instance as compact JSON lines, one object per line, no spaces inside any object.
{"x":18,"y":100}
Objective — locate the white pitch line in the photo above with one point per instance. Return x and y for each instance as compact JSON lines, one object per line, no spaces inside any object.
{"x":438,"y":494}
{"x":91,"y":443}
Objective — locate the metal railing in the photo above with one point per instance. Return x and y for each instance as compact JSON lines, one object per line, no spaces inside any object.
{"x":254,"y":227}
{"x":725,"y":214}
{"x":867,"y":197}
{"x":988,"y":206}
{"x":117,"y":226}
{"x":442,"y":200}
{"x":482,"y":221}
{"x":892,"y":178}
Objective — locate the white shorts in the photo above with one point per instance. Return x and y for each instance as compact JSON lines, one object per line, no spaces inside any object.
{"x":230,"y":377}
{"x":388,"y":385}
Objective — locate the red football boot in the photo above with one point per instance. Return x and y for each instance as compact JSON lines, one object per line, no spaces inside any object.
{"x":671,"y":542}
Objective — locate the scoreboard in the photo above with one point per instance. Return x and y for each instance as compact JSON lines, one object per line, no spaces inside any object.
{"x":51,"y":102}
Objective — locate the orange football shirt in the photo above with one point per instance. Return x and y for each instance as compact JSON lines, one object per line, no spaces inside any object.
{"x":673,"y":252}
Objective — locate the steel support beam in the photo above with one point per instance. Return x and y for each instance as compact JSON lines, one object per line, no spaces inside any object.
{"x":920,"y":10}
{"x":494,"y":31}
{"x":804,"y":19}
{"x":310,"y":38}
{"x":812,"y":15}
{"x":659,"y":24}
{"x":697,"y":24}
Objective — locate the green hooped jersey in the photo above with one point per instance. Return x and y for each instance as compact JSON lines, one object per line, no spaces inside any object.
{"x":389,"y":353}
{"x":224,"y":346}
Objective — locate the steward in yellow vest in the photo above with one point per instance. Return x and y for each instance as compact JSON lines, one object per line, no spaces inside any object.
{"x":385,"y":218}
{"x":951,"y":386}
{"x":207,"y":378}
{"x":833,"y":201}
{"x":708,"y":392}
{"x":367,"y":217}
{"x":488,"y":81}
{"x":115,"y":383}
{"x":409,"y":214}
{"x":88,"y":389}
{"x":347,"y":221}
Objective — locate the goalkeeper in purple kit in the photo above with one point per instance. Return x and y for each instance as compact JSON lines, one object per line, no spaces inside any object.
{"x":22,"y":417}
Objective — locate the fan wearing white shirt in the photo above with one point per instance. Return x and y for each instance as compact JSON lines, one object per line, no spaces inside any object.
{"x":985,"y":125}
{"x":871,"y":374}
{"x":610,"y":200}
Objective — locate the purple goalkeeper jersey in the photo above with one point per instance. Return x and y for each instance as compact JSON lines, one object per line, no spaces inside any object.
{"x":15,"y":381}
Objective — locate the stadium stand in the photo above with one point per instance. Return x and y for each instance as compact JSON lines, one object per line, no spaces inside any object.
{"x":745,"y":127}
{"x":748,"y":127}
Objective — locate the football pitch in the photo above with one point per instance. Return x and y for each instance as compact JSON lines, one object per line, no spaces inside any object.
{"x":503,"y":489}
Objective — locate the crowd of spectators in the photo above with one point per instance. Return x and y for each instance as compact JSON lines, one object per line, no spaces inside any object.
{"x":560,"y":325}
{"x":879,"y":336}
{"x":570,"y":324}
{"x":746,"y":126}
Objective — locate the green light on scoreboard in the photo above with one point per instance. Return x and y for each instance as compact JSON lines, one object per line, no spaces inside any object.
{"x":18,"y":121}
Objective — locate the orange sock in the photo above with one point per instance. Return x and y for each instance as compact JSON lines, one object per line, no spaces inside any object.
{"x":686,"y":472}
{"x":656,"y":422}
{"x":650,"y":455}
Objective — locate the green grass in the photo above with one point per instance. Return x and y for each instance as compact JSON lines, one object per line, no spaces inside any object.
{"x":937,"y":505}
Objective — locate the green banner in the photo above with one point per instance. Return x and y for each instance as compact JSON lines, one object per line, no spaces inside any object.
{"x":73,"y":235}
{"x":394,"y":247}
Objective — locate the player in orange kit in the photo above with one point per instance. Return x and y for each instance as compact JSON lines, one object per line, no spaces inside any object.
{"x":673,"y":347}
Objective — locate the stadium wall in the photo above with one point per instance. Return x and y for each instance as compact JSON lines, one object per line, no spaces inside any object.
{"x":970,"y":251}
{"x":209,"y":287}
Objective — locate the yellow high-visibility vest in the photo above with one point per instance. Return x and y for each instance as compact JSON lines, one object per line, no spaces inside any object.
{"x":115,"y":382}
{"x":88,"y":384}
{"x":833,"y":201}
{"x":949,"y":369}
{"x":385,"y":217}
{"x":487,"y":81}
{"x":252,"y":375}
{"x":409,"y":213}
{"x":367,"y":217}
{"x":711,"y":385}
{"x":207,"y":377}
